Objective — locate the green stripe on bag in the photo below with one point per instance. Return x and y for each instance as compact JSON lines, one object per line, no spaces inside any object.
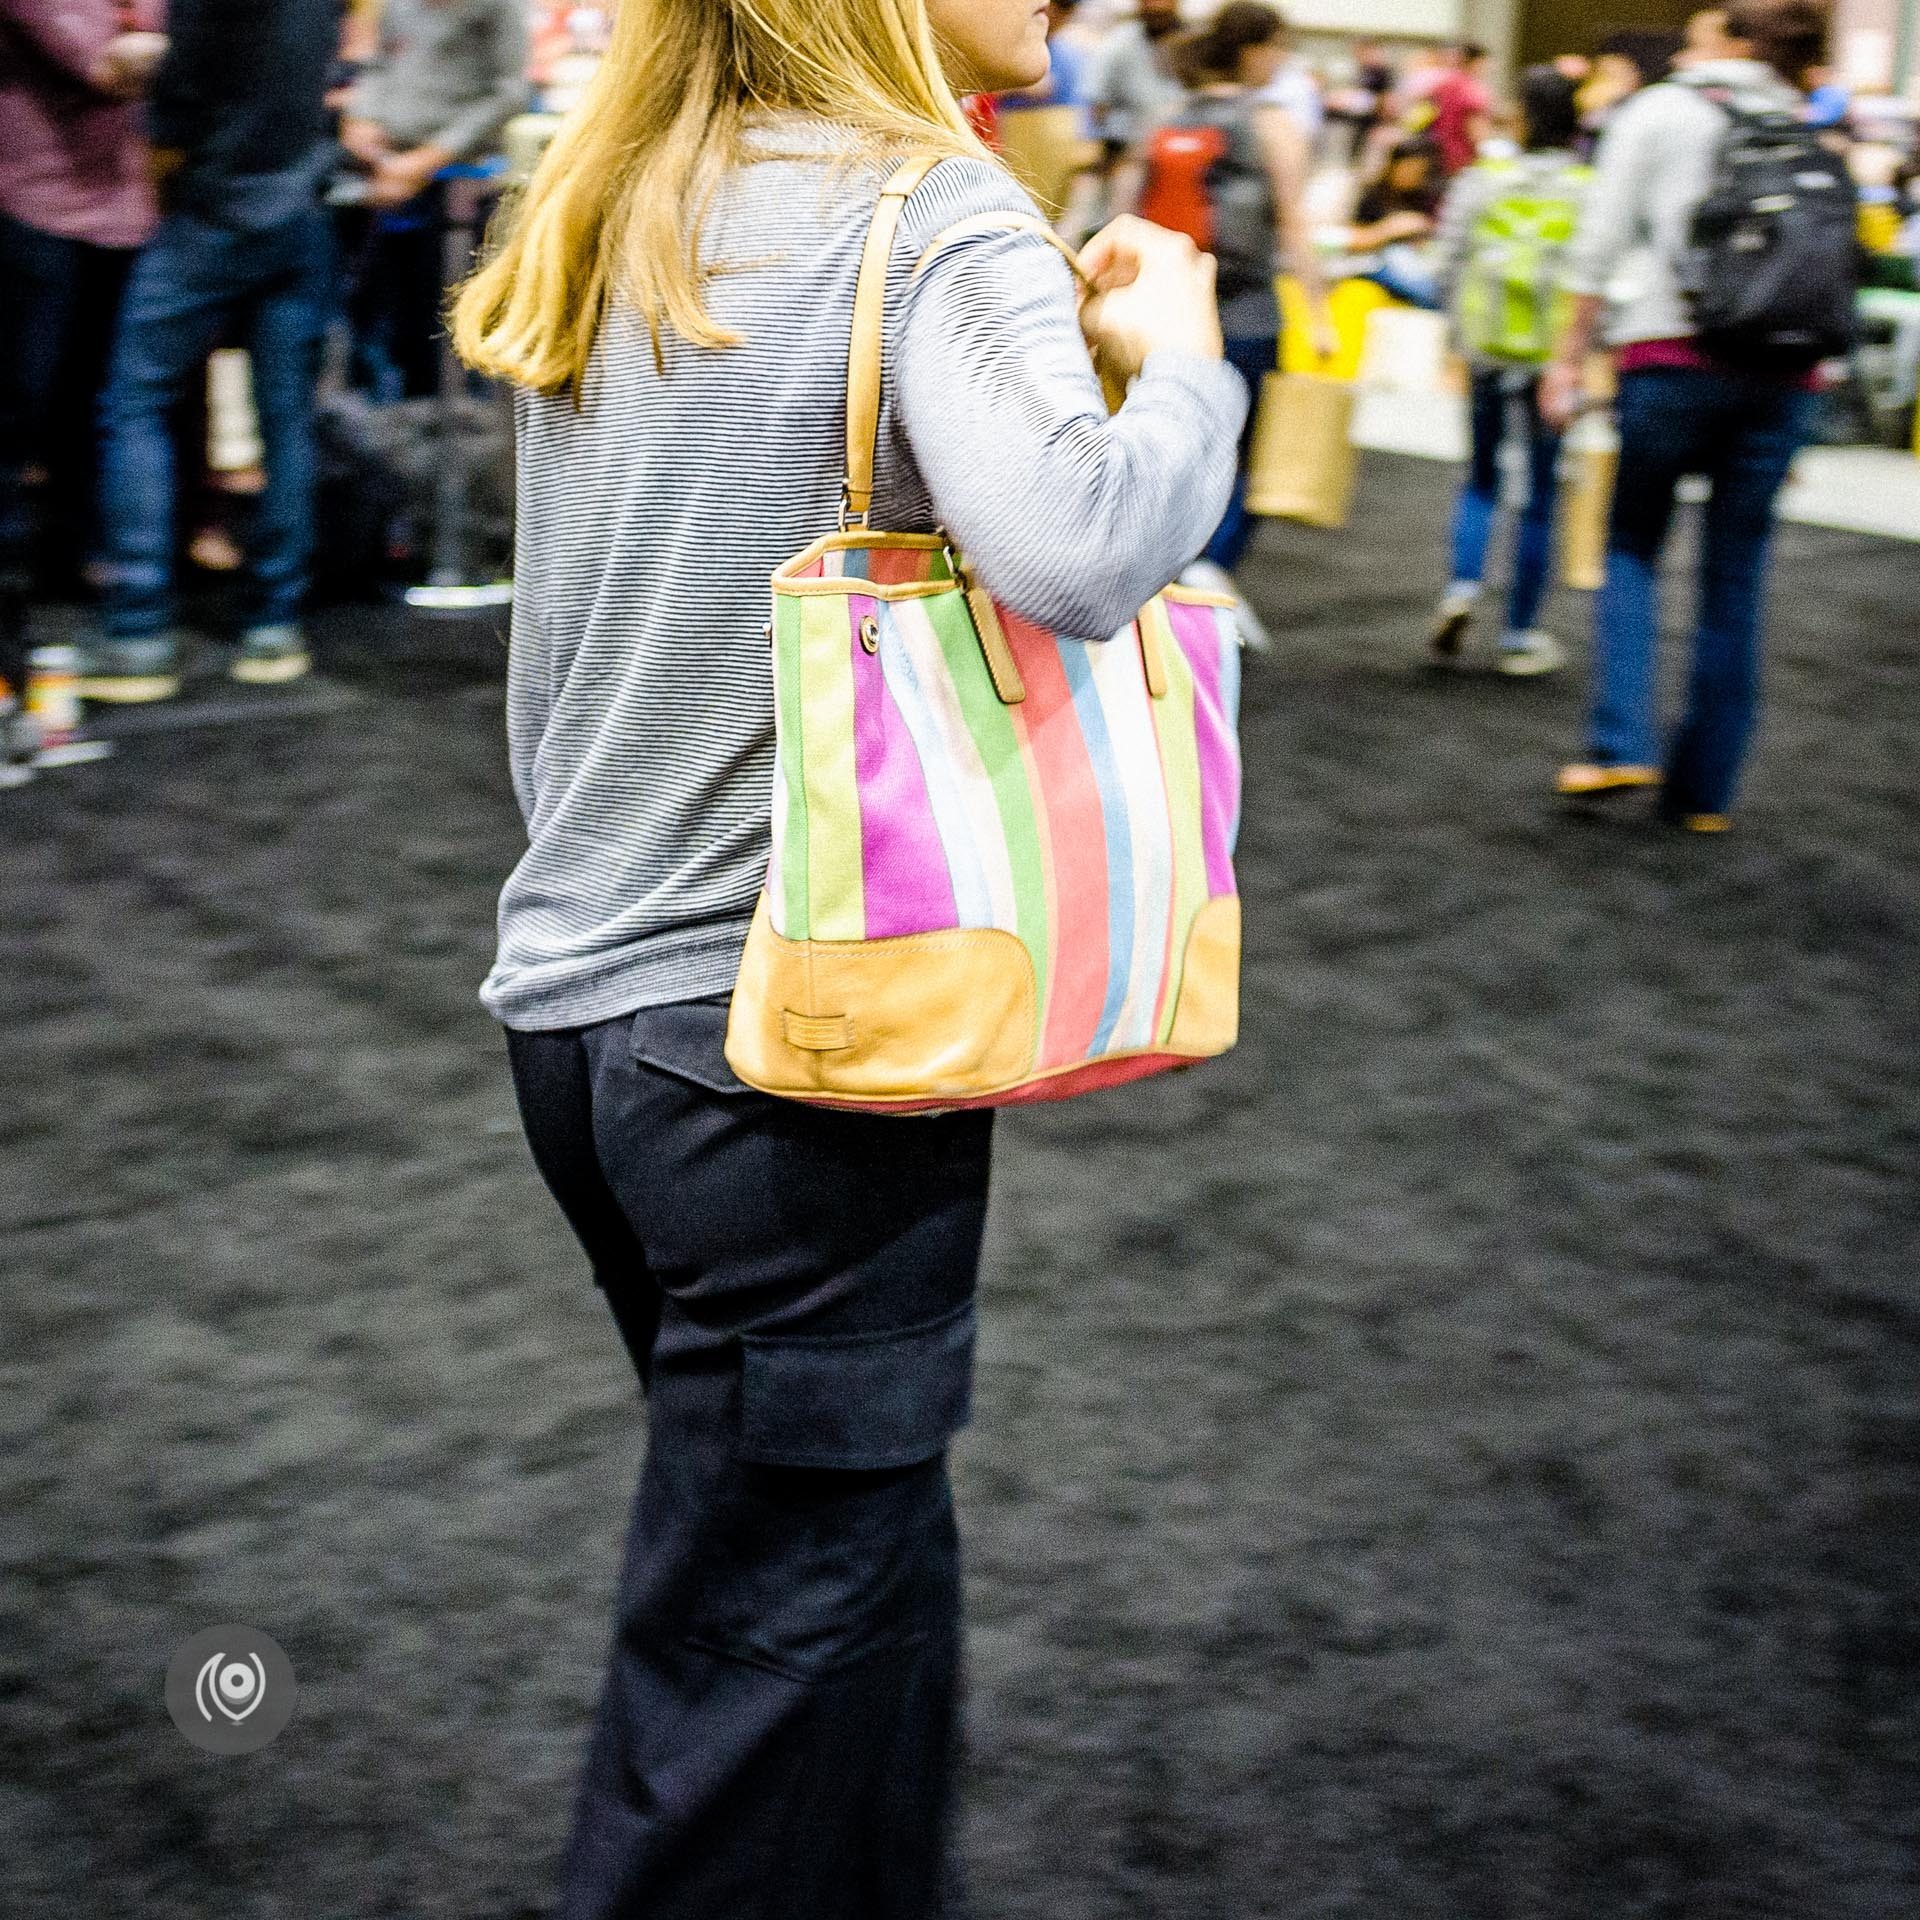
{"x":992,"y":729}
{"x":793,"y":864}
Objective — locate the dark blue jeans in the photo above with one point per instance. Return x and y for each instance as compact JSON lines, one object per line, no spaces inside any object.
{"x":796,"y":1288}
{"x":395,"y":292}
{"x":1506,"y":402}
{"x":1741,"y":432}
{"x":196,"y":283}
{"x":59,"y":299}
{"x":1252,"y":360}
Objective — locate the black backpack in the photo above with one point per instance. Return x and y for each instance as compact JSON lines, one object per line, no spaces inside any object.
{"x":1773,"y":260}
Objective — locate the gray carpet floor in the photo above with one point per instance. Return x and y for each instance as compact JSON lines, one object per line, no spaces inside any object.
{"x":1457,"y":1459}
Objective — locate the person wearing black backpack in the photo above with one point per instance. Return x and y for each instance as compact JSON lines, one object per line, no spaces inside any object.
{"x":1724,"y":230}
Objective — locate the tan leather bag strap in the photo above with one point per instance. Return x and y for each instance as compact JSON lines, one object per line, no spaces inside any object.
{"x":869,"y":336}
{"x":1001,"y":223}
{"x":868,"y":348}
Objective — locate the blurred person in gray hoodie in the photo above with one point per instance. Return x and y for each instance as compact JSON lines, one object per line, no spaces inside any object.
{"x":1134,"y":86}
{"x":445,"y":78}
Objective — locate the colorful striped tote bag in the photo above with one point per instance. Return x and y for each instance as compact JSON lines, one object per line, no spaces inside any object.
{"x":1002,"y":859}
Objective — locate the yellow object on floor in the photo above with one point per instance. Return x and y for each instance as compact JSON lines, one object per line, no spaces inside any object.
{"x":1350,"y":304}
{"x":1879,"y":226}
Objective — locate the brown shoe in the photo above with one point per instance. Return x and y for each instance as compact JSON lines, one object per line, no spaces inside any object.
{"x":1707,"y":822}
{"x":1585,"y":781}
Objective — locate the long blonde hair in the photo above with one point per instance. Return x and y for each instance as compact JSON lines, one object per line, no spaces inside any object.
{"x":621,"y":197}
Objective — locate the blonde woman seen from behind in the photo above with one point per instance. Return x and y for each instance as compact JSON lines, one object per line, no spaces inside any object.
{"x":674,"y":298}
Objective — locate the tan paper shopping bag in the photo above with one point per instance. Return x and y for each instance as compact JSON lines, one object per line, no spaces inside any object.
{"x":1304,"y":464}
{"x":1583,"y":518}
{"x":1592,"y":466}
{"x":1044,"y":148}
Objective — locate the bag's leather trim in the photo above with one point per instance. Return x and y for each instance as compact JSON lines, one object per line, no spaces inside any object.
{"x":1054,"y":1083}
{"x":957,"y":1010}
{"x":1206,"y":1020}
{"x":1153,"y":657}
{"x":812,"y":1033}
{"x":1001,"y":666}
{"x":786,"y":577}
{"x":949,"y":983}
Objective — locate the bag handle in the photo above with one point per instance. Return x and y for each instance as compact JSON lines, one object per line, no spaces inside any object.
{"x":869,"y":339}
{"x":864,"y":375}
{"x":868,"y":346}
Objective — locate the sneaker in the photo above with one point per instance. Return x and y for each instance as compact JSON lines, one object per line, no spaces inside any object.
{"x":128,"y":672}
{"x":270,"y":655}
{"x":1452,"y":618}
{"x":1586,"y":781}
{"x":1706,"y":822}
{"x":1209,"y":578}
{"x":1527,"y":654}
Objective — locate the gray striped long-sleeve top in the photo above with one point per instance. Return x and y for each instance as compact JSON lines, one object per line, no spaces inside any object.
{"x":640,"y":695}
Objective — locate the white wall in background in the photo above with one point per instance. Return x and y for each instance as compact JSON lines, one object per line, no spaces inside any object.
{"x":1875,"y":39}
{"x":1416,"y":19}
{"x":1423,"y":19}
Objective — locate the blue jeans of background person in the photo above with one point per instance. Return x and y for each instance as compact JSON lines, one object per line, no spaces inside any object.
{"x":196,"y":283}
{"x":1505,"y":401}
{"x":1741,"y":431}
{"x":396,"y":290}
{"x":780,"y":1717}
{"x":1252,"y":360}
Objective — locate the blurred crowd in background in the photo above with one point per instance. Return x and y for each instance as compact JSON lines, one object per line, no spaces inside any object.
{"x":226,"y":240}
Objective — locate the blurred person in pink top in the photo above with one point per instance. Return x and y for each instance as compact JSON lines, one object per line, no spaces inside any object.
{"x":76,"y":203}
{"x":1461,"y":103}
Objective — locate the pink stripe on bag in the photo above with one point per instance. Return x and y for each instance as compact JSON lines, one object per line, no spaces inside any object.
{"x":1198,"y":631}
{"x":904,"y":866}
